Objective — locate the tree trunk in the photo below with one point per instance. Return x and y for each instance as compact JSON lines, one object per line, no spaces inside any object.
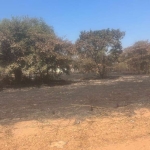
{"x":103,"y":70}
{"x":18,"y":75}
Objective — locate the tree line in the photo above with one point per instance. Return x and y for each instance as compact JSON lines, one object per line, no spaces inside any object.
{"x":29,"y":48}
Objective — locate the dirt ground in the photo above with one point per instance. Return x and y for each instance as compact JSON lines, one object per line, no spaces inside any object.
{"x":109,"y":114}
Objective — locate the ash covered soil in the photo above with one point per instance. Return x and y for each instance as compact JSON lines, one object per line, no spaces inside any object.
{"x":83,"y":114}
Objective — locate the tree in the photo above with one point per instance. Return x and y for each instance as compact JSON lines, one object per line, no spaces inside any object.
{"x":98,"y":49}
{"x":137,"y":57}
{"x":29,"y":45}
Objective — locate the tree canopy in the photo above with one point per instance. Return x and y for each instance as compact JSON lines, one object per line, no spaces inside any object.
{"x":99,"y":48}
{"x":136,"y":58}
{"x":29,"y":45}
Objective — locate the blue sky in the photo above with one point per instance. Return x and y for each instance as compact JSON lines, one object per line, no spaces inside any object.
{"x":69,"y":17}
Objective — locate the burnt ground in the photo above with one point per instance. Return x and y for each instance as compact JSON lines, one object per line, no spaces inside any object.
{"x":89,"y":114}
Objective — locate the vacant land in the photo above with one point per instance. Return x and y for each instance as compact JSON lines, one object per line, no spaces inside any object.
{"x":109,"y":114}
